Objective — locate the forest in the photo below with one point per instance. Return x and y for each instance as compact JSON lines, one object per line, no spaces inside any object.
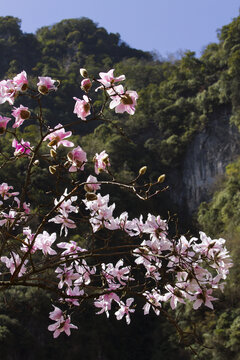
{"x":180,"y":101}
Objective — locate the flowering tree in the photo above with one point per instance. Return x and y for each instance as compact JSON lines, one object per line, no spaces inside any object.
{"x":123,"y":259}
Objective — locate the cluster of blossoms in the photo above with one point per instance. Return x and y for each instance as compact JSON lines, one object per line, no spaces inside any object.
{"x":148,"y":264}
{"x":121,"y":100}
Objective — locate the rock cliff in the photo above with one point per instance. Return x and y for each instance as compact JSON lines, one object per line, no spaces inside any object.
{"x":205,"y":161}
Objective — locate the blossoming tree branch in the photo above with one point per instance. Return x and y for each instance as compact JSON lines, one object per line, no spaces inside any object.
{"x":126,"y":261}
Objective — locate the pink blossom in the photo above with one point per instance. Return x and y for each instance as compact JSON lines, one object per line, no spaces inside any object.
{"x":8,"y":91}
{"x":153,"y":300}
{"x":21,"y":113}
{"x":57,"y":137}
{"x":65,"y":221}
{"x":4,"y":191}
{"x":92,"y":185}
{"x":82,"y":107}
{"x":21,"y":149}
{"x":46,"y":84}
{"x":108,"y":79}
{"x":86,"y":85}
{"x":104,"y":302}
{"x":20,"y":81}
{"x":103,"y":218}
{"x":121,"y":273}
{"x":44,"y":242}
{"x":66,"y":206}
{"x":125,"y":310}
{"x":26,"y":207}
{"x":203,"y":297}
{"x":56,"y":314}
{"x":62,"y":325}
{"x":123,"y":100}
{"x":77,"y":157}
{"x":74,"y":292}
{"x":3,"y":123}
{"x":84,"y":272}
{"x":175,"y":295}
{"x":66,"y":276}
{"x":8,"y":218}
{"x":13,"y":262}
{"x":101,"y":162}
{"x":28,"y":241}
{"x":71,"y":247}
{"x":156,"y":227}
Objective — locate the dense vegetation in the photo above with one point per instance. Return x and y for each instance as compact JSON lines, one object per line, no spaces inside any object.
{"x":177,"y":99}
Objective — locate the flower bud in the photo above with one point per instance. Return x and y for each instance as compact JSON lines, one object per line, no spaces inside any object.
{"x":52,"y":169}
{"x":161,"y":178}
{"x":70,"y":156}
{"x":83,"y":73}
{"x":36,"y":162}
{"x":91,"y":196}
{"x":43,"y":89}
{"x":86,"y":85}
{"x":142,"y":170}
{"x":53,"y":153}
{"x":87,"y":188}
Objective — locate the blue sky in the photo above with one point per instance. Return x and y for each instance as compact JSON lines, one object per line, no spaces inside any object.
{"x":164,"y":26}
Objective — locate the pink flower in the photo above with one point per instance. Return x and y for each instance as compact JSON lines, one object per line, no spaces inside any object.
{"x":84,"y":272}
{"x":175,"y":295}
{"x":3,"y":123}
{"x":101,"y":162}
{"x":82,"y":107}
{"x":56,"y":314}
{"x":153,"y":300}
{"x":13,"y":262}
{"x":57,"y":137}
{"x":8,"y":218}
{"x":120,"y":273}
{"x":104,"y":302}
{"x":44,"y":242}
{"x":203,"y":297}
{"x":46,"y":84}
{"x":62,"y":325}
{"x":28,"y":241}
{"x":123,"y":101}
{"x":8,"y":91}
{"x":108,"y":79}
{"x":86,"y":85}
{"x":21,"y":149}
{"x":74,"y":292}
{"x":71,"y":247}
{"x":20,"y":81}
{"x":21,"y":113}
{"x":66,"y":206}
{"x":26,"y":207}
{"x":91,"y":184}
{"x":65,"y":221}
{"x":4,"y":191}
{"x":66,"y":276}
{"x":77,"y":157}
{"x":125,"y":310}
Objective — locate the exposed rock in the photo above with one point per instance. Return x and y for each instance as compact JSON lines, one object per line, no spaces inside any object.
{"x":205,"y":161}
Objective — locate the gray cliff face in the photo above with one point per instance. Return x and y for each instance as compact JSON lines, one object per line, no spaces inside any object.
{"x":205,"y":161}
